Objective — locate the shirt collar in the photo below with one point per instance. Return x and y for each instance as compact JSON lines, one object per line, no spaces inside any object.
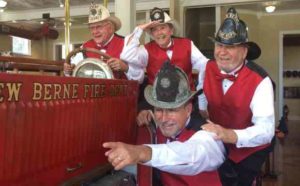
{"x":99,"y":45}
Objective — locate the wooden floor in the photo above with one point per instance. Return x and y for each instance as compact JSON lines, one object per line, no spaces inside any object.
{"x":287,"y":159}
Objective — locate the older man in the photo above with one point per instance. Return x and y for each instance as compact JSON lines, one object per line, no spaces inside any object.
{"x":103,"y":27}
{"x":193,"y":152}
{"x":240,"y":101}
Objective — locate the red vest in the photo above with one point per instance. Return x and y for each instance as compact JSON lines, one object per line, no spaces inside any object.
{"x":113,"y":48}
{"x":202,"y":179}
{"x":181,"y":57}
{"x":232,"y":110}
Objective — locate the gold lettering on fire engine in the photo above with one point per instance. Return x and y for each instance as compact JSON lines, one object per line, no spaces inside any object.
{"x":54,"y":91}
{"x":57,"y":90}
{"x":67,"y":89}
{"x":47,"y":93}
{"x":118,"y":90}
{"x":13,"y":90}
{"x":94,"y":91}
{"x":75,"y":91}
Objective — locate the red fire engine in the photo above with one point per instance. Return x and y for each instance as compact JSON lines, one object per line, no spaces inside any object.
{"x":52,"y":127}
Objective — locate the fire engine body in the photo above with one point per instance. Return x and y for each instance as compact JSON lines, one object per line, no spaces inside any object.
{"x":52,"y":127}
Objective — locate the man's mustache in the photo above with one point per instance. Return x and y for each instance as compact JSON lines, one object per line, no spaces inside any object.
{"x":163,"y":36}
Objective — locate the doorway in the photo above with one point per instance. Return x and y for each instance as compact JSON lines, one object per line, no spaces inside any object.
{"x":289,"y":73}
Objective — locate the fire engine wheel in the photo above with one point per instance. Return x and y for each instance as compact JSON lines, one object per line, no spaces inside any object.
{"x":91,"y":67}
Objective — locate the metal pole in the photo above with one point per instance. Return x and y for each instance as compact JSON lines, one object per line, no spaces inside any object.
{"x":67,"y":27}
{"x":105,"y":3}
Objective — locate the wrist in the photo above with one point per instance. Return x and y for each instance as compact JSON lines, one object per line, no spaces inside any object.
{"x":146,"y":154}
{"x":126,"y":68}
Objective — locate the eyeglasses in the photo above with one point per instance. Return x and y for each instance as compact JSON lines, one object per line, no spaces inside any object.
{"x":98,"y":26}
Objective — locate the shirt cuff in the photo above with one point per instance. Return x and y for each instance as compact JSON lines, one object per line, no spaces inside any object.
{"x":241,"y":138}
{"x":155,"y":155}
{"x":137,"y":32}
{"x":133,"y":74}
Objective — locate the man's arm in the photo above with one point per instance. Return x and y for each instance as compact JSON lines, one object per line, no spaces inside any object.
{"x":122,"y":154}
{"x":200,"y":153}
{"x":199,"y":62}
{"x":263,"y":118}
{"x":262,"y":132}
{"x":68,"y":68}
{"x":135,"y":56}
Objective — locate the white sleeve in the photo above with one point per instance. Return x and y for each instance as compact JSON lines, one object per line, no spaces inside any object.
{"x":199,"y":62}
{"x":130,"y":52}
{"x":77,"y":58}
{"x":198,"y":59}
{"x":262,"y":107}
{"x":200,"y":153}
{"x":131,"y":46}
{"x":202,"y":101}
{"x":135,"y":55}
{"x":135,"y":72}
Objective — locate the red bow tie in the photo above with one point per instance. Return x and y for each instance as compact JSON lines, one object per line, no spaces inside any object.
{"x":101,"y":47}
{"x":172,"y":139}
{"x":221,"y":77}
{"x":230,"y":77}
{"x":168,"y":48}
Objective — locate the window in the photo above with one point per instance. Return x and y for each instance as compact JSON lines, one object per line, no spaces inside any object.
{"x":63,"y":50}
{"x":60,"y":50}
{"x":21,"y":46}
{"x":200,"y":23}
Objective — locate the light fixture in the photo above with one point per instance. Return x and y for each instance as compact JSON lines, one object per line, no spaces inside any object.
{"x":270,"y":8}
{"x":61,"y":4}
{"x":3,"y":3}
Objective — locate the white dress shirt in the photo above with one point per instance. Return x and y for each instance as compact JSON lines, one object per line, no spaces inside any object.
{"x":198,"y":154}
{"x":198,"y":60}
{"x":263,"y":116}
{"x":135,"y":72}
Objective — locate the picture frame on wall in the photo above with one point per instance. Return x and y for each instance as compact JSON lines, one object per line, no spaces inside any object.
{"x":292,"y":92}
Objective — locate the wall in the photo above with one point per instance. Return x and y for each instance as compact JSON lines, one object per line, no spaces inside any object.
{"x":36,"y":46}
{"x":77,"y":35}
{"x":5,"y":43}
{"x":39,"y":49}
{"x":269,"y":30}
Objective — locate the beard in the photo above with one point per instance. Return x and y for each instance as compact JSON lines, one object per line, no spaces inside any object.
{"x":169,"y":129}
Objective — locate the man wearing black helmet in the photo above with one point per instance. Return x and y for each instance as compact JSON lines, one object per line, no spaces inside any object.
{"x":184,"y":154}
{"x":240,"y":102}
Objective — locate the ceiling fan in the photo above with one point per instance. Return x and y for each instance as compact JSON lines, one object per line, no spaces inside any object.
{"x":32,"y":29}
